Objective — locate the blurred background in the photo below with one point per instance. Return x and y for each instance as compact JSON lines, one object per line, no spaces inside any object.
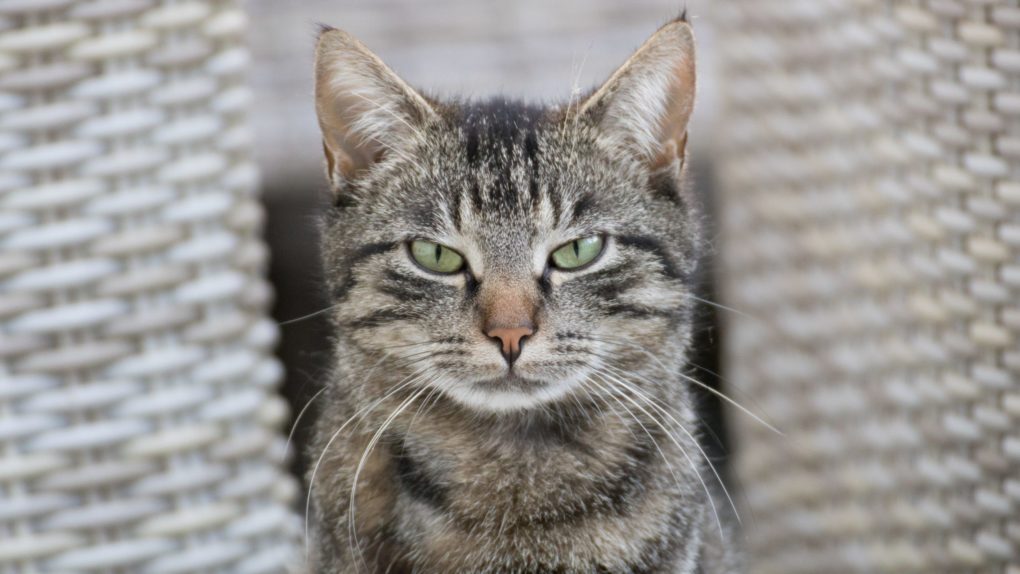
{"x":161,"y":178}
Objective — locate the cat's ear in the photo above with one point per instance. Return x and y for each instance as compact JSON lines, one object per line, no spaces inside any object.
{"x":645,"y":105}
{"x":365,"y":110}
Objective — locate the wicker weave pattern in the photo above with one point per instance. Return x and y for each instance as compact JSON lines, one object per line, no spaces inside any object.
{"x":139,"y":429}
{"x":872,"y":199}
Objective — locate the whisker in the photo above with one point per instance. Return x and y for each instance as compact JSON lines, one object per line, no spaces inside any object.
{"x":695,"y":466}
{"x":683,"y":451}
{"x":648,"y":400}
{"x":733,"y":402}
{"x":603,"y":398}
{"x":651,"y":400}
{"x":304,"y":409}
{"x":580,"y":405}
{"x":308,"y":316}
{"x":427,"y":402}
{"x":297,"y":419}
{"x":721,"y":306}
{"x":364,"y":410}
{"x":608,"y":393}
{"x":351,"y":524}
{"x":708,"y":371}
{"x":694,"y":381}
{"x":803,"y":346}
{"x":711,"y":465}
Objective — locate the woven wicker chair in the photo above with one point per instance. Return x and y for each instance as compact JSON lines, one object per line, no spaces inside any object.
{"x":139,"y":425}
{"x":871,"y":175}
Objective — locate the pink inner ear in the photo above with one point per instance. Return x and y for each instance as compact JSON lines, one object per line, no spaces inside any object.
{"x":670,"y":152}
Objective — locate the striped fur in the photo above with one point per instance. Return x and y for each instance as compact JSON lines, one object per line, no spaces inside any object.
{"x":584,"y":458}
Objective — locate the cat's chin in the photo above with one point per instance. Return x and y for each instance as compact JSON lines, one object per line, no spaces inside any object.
{"x":508,"y":393}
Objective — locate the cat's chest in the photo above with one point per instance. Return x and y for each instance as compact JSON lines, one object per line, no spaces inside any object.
{"x":484,"y":480}
{"x":531,"y":507}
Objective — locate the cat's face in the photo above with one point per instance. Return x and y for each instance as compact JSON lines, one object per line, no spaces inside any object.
{"x":502,"y":254}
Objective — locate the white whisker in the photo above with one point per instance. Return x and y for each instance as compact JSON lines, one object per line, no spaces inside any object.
{"x":693,"y":381}
{"x":304,"y":409}
{"x":649,"y":400}
{"x":308,"y":316}
{"x":351,"y":524}
{"x":704,"y":485}
{"x":297,"y":419}
{"x":609,"y":394}
{"x":364,"y":410}
{"x":721,"y":306}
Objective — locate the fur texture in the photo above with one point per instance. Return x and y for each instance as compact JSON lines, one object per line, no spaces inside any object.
{"x":433,"y":454}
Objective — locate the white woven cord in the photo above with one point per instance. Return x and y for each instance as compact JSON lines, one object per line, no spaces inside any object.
{"x":871,"y":191}
{"x":139,"y":425}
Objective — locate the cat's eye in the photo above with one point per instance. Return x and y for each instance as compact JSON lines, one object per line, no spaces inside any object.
{"x":578,"y":253}
{"x":435,"y":257}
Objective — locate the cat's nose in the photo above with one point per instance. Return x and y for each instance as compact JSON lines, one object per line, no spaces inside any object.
{"x":508,"y":310}
{"x":511,"y":339}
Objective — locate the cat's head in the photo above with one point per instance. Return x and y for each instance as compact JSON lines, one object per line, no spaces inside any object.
{"x":506,"y":254}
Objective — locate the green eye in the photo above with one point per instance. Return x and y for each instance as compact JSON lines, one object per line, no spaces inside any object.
{"x":435,"y":257}
{"x":578,"y":252}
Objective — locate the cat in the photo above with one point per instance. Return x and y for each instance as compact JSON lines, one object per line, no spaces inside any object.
{"x":511,"y":293}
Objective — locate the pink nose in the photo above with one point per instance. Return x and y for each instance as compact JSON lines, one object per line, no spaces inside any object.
{"x":511,"y":338}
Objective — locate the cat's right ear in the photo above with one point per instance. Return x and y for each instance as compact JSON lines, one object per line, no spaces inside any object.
{"x":366,"y":112}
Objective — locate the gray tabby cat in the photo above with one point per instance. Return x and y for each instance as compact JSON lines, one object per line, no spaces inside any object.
{"x":512,"y":303}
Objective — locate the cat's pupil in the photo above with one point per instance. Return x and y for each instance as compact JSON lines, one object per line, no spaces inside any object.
{"x":577,"y":248}
{"x":439,"y":252}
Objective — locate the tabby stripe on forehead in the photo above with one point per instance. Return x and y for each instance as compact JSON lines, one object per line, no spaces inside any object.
{"x":553,"y":192}
{"x":455,"y":208}
{"x":582,"y":206}
{"x":536,"y":195}
{"x":476,"y":195}
{"x":471,"y":149}
{"x":471,"y":146}
{"x":531,"y":155}
{"x":507,"y":192}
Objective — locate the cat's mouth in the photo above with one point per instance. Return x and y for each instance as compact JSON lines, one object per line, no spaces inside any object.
{"x":511,"y":382}
{"x":505,"y":390}
{"x":509,"y":391}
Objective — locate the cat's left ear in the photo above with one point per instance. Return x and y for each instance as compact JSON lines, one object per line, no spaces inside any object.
{"x":645,"y":105}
